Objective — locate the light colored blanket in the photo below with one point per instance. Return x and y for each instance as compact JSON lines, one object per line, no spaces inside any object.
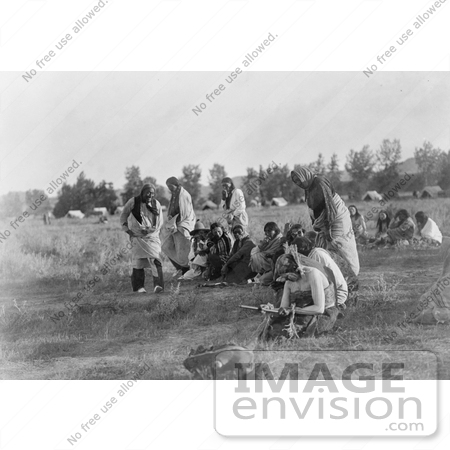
{"x":341,"y":234}
{"x":176,"y":242}
{"x":144,"y":245}
{"x":429,"y":231}
{"x":236,"y":215}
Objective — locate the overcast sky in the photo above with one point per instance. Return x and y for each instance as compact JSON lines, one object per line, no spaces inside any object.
{"x":109,"y":121}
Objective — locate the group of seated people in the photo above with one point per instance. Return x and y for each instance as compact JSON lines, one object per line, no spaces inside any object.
{"x":315,"y":281}
{"x":400,"y":230}
{"x":287,"y":261}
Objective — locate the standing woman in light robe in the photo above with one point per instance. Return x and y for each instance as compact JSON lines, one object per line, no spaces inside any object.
{"x":181,"y":221}
{"x":233,"y":204}
{"x":329,"y":215}
{"x":142,"y":219}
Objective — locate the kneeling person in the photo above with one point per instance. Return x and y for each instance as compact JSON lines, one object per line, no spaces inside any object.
{"x":306,"y":248}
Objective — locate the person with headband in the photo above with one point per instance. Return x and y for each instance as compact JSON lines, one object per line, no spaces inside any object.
{"x":181,"y":221}
{"x":233,"y":204}
{"x":142,"y":220}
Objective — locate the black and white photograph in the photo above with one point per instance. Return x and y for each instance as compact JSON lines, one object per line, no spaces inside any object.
{"x":224,"y":227}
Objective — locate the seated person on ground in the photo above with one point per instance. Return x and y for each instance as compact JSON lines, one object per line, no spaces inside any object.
{"x":358,"y":225}
{"x":197,"y":258}
{"x":291,"y":232}
{"x":237,"y":269}
{"x":427,"y":230}
{"x":218,"y":249}
{"x":381,"y":228}
{"x":401,"y":228}
{"x":382,"y":224}
{"x":306,"y":248}
{"x":261,"y":260}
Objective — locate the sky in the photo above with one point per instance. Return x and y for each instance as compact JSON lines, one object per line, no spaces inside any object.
{"x":107,"y":121}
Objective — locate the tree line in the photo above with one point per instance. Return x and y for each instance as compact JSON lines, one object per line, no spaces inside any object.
{"x":368,"y":170}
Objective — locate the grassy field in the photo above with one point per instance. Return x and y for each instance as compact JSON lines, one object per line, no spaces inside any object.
{"x":113,"y":332}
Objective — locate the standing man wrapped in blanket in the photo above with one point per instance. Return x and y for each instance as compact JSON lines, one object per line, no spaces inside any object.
{"x":233,"y":204}
{"x":181,"y":221}
{"x":142,"y":219}
{"x":329,"y":215}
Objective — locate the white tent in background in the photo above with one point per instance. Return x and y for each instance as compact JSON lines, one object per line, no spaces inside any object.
{"x":75,"y":214}
{"x":372,"y":195}
{"x":278,"y":201}
{"x":100,"y":211}
{"x":209,"y":205}
{"x":431,"y":192}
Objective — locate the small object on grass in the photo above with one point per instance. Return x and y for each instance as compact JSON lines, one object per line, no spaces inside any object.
{"x":141,"y":290}
{"x":213,"y":285}
{"x":221,"y":362}
{"x":262,"y":308}
{"x":442,"y":315}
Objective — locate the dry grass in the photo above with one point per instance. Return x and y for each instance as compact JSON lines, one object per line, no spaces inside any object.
{"x":114,"y":332}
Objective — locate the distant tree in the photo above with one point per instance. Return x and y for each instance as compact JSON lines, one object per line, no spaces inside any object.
{"x":83,"y":194}
{"x":133,"y":183}
{"x":251,"y":185}
{"x":388,"y":159}
{"x":360,"y":167}
{"x":333,"y":173}
{"x":417,"y":183}
{"x":275,"y":183}
{"x":444,"y":176}
{"x":389,"y":155}
{"x":429,"y":159}
{"x":64,"y":203}
{"x":105,"y":195}
{"x":35,"y":194}
{"x":216,"y":174}
{"x":191,"y":181}
{"x":11,"y":205}
{"x":318,"y":166}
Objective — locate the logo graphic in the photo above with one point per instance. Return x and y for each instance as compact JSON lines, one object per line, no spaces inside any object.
{"x":326,"y":393}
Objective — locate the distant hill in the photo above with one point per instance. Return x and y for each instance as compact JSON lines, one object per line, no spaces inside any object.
{"x":408,"y":166}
